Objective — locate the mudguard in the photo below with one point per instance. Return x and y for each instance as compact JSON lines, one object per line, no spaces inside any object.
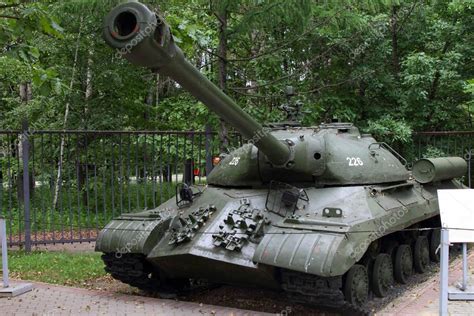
{"x":306,"y":251}
{"x":133,"y":233}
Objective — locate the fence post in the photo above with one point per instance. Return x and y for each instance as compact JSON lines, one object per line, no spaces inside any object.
{"x":188,"y":172}
{"x":208,"y":150}
{"x":25,"y":144}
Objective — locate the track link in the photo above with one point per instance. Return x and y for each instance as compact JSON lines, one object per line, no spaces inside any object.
{"x":132,"y":269}
{"x":318,"y":292}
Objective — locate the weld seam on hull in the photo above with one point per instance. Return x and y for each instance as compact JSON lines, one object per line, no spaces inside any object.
{"x":310,"y":253}
{"x":296,"y":249}
{"x":282,"y":243}
{"x":327,"y":256}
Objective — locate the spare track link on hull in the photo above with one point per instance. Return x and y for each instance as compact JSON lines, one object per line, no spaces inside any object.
{"x":131,"y":269}
{"x":317,"y":291}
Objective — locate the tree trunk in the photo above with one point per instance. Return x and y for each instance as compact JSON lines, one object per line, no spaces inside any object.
{"x":88,"y":89}
{"x":222,"y":16}
{"x":149,"y":98}
{"x":66,"y":115}
{"x":394,"y":29}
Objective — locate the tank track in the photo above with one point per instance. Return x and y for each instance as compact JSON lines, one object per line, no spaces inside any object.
{"x":319,"y":292}
{"x":132,"y":269}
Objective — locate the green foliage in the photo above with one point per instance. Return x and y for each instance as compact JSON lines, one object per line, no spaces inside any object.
{"x":390,"y":130}
{"x":433,"y":152}
{"x":359,"y":61}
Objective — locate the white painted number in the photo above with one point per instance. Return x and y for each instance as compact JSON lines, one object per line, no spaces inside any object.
{"x":355,"y":161}
{"x":234,"y":161}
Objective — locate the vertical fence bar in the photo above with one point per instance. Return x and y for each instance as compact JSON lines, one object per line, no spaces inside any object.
{"x":193,"y":161}
{"x":161,"y":169}
{"x":33,"y":209}
{"x":26,"y":183}
{"x":104,"y":180}
{"x":86,"y":185}
{"x":42,"y":184}
{"x":52,"y":188}
{"x":169,"y":175}
{"x":96,"y":190}
{"x":208,"y":149}
{"x":68,"y":191}
{"x":176,"y":159}
{"x":112,"y":175}
{"x":200,"y":166}
{"x":153,"y":174}
{"x":128,"y":174}
{"x":145,"y":175}
{"x":137,"y":174}
{"x":121,"y":174}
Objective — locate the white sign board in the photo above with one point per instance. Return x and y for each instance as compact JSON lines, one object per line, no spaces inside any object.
{"x":457,"y":214}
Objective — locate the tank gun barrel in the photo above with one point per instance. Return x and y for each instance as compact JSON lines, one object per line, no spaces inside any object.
{"x":145,"y":39}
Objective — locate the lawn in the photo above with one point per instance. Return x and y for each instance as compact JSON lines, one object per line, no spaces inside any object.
{"x":72,"y":269}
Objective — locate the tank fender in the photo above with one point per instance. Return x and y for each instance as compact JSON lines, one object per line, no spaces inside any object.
{"x":132,"y":234}
{"x":319,"y":253}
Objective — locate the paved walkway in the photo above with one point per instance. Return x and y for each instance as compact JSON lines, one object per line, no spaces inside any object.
{"x":53,"y":300}
{"x":424,"y":299}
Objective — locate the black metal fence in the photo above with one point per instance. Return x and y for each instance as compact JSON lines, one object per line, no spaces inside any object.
{"x":64,"y":186}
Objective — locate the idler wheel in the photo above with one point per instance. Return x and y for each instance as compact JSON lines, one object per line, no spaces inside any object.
{"x":435,"y":240}
{"x":421,"y":254}
{"x":403,"y":267}
{"x":382,"y":277}
{"x":356,"y":287}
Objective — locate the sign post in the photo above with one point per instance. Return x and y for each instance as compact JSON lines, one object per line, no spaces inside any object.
{"x":7,"y":289}
{"x":457,"y":226}
{"x":3,"y":237}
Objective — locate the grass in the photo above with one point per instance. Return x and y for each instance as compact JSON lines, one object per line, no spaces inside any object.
{"x":71,"y":269}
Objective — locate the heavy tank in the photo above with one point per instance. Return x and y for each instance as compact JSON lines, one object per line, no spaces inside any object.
{"x":325,"y":213}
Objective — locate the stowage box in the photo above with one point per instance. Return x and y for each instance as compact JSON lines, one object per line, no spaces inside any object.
{"x":436,"y":169}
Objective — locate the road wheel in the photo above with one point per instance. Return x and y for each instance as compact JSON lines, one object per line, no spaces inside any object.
{"x":356,"y":287}
{"x":421,"y":254}
{"x":382,"y":276}
{"x":403,"y":267}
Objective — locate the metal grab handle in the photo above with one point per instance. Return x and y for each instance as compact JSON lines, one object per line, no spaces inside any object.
{"x":390,"y":149}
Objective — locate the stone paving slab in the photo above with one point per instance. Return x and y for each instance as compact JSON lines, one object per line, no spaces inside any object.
{"x":424,"y":299}
{"x":52,"y":300}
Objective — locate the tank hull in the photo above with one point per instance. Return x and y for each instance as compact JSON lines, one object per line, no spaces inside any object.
{"x":306,"y":241}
